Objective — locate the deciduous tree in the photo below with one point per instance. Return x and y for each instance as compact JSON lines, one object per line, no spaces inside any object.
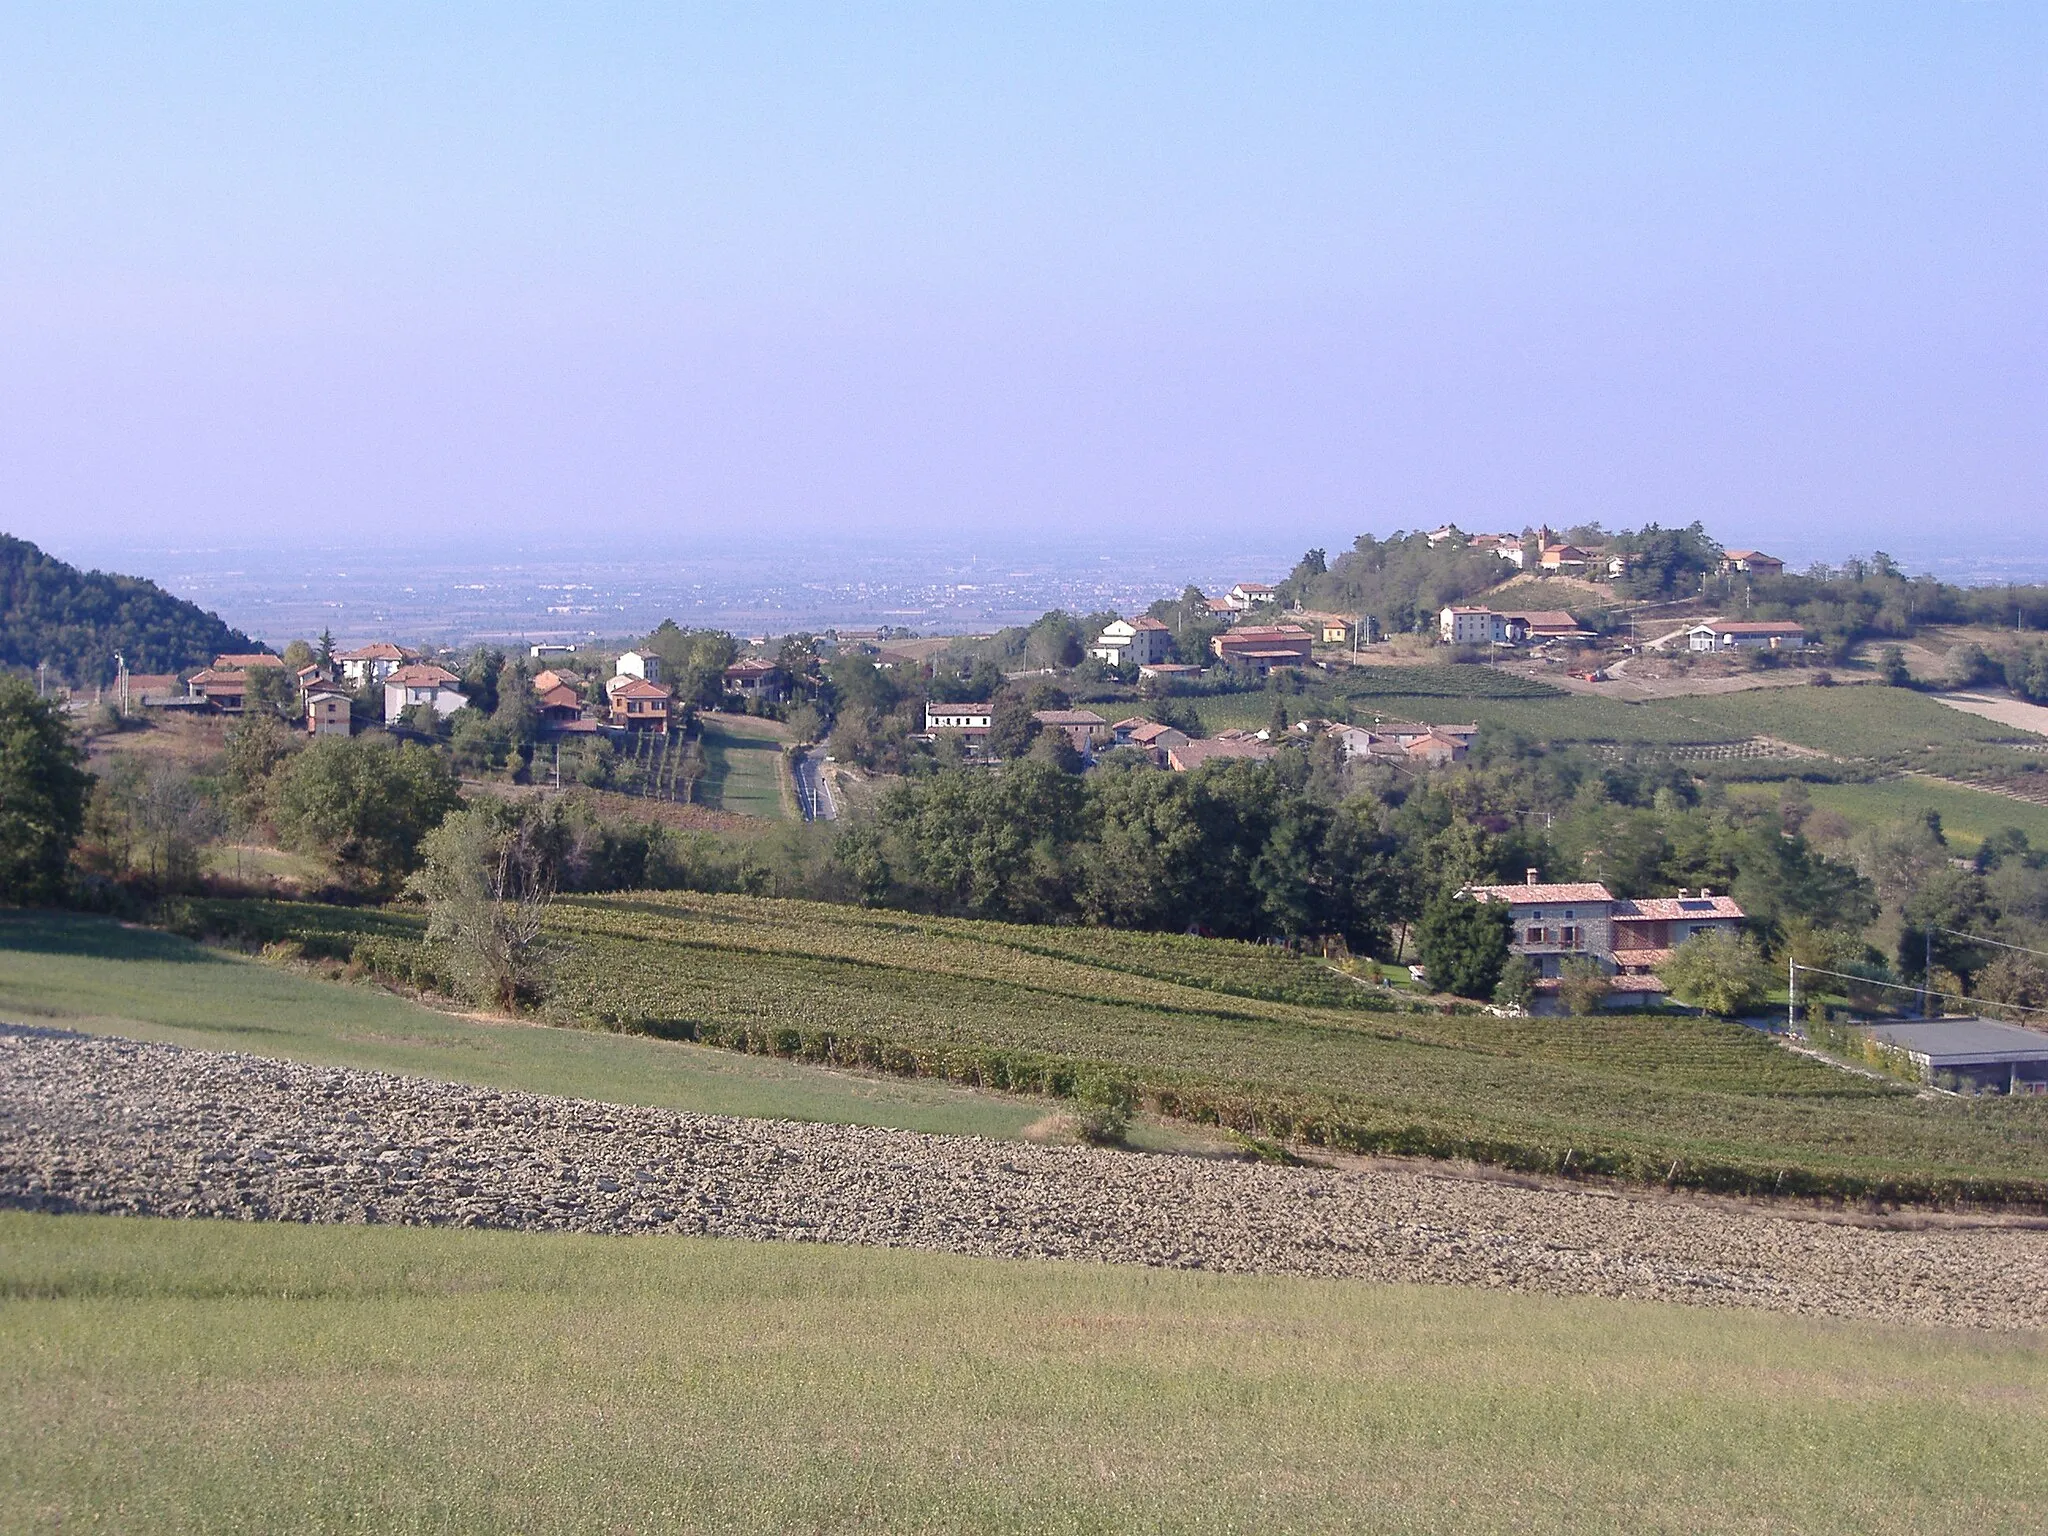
{"x":1722,"y":972}
{"x":365,"y":803}
{"x":43,"y":786}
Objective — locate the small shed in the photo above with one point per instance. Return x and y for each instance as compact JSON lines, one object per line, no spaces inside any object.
{"x":1979,"y":1055}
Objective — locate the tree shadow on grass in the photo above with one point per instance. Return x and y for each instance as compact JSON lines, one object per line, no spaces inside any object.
{"x":97,"y":938}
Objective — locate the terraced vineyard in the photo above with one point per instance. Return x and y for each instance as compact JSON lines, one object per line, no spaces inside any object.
{"x":1230,"y":1033}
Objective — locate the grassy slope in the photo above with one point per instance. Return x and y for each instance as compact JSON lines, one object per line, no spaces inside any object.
{"x":90,"y":974}
{"x":1038,"y":1007}
{"x":1573,"y":717}
{"x":1968,"y":816}
{"x":1869,"y":722}
{"x":1859,"y":722}
{"x":743,"y":765}
{"x":222,"y":1377}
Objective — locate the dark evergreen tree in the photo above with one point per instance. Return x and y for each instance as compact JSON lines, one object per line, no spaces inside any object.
{"x":1464,"y":944}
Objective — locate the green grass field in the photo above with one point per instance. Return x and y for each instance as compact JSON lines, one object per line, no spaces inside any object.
{"x":1968,"y":816}
{"x":743,"y":765}
{"x":1570,"y":717}
{"x":1877,"y":724}
{"x":221,"y":1377}
{"x":93,"y":975}
{"x":1882,"y":724}
{"x":1209,"y":1030}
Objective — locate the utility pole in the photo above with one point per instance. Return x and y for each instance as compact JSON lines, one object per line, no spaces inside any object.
{"x":1927,"y":971}
{"x":1791,"y":995}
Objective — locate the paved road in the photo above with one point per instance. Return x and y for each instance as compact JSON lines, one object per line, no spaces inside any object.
{"x":1661,"y":641}
{"x":813,"y":793}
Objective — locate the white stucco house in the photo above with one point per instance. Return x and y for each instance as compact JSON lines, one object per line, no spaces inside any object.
{"x":422,"y":683}
{"x":1141,"y":641}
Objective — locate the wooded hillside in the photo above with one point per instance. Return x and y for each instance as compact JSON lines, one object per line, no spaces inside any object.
{"x":76,"y":620}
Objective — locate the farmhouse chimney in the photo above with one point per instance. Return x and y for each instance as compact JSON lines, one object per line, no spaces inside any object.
{"x":1532,"y":876}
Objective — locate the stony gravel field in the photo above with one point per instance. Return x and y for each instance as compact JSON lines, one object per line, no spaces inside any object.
{"x":107,"y":1125}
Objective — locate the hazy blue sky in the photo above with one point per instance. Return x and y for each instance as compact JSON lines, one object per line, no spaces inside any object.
{"x":619,"y":272}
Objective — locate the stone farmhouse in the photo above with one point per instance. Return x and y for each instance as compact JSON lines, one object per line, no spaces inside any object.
{"x":1628,"y":939}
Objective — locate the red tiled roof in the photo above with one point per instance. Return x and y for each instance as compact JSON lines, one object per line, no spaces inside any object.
{"x":1758,"y":628}
{"x":1148,"y":622}
{"x":1541,"y":895}
{"x":1668,"y":907}
{"x":424,"y":674}
{"x":637,"y":688}
{"x":246,"y":660}
{"x":1151,"y":731}
{"x":1195,"y":753}
{"x":376,"y":650}
{"x":1252,"y":634}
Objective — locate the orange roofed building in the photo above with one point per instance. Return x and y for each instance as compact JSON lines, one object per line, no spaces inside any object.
{"x":638,"y":705}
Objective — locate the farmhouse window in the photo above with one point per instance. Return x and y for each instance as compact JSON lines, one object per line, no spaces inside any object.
{"x":1568,"y":937}
{"x":1535,"y":936}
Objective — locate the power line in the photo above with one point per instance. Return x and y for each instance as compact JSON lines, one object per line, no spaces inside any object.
{"x":1900,"y":986}
{"x":1978,"y":938}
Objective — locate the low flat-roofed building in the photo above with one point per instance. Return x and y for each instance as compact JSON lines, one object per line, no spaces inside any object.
{"x":959,"y":717}
{"x":1722,"y":635}
{"x":1980,"y":1055}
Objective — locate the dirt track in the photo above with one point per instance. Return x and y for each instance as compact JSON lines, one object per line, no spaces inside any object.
{"x":2006,"y":711}
{"x":109,"y":1125}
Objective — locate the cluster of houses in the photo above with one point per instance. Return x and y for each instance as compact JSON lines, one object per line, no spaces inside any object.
{"x":1407,"y":743}
{"x":634,"y":697}
{"x":1584,"y":920}
{"x":1465,"y":625}
{"x":1542,"y":550}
